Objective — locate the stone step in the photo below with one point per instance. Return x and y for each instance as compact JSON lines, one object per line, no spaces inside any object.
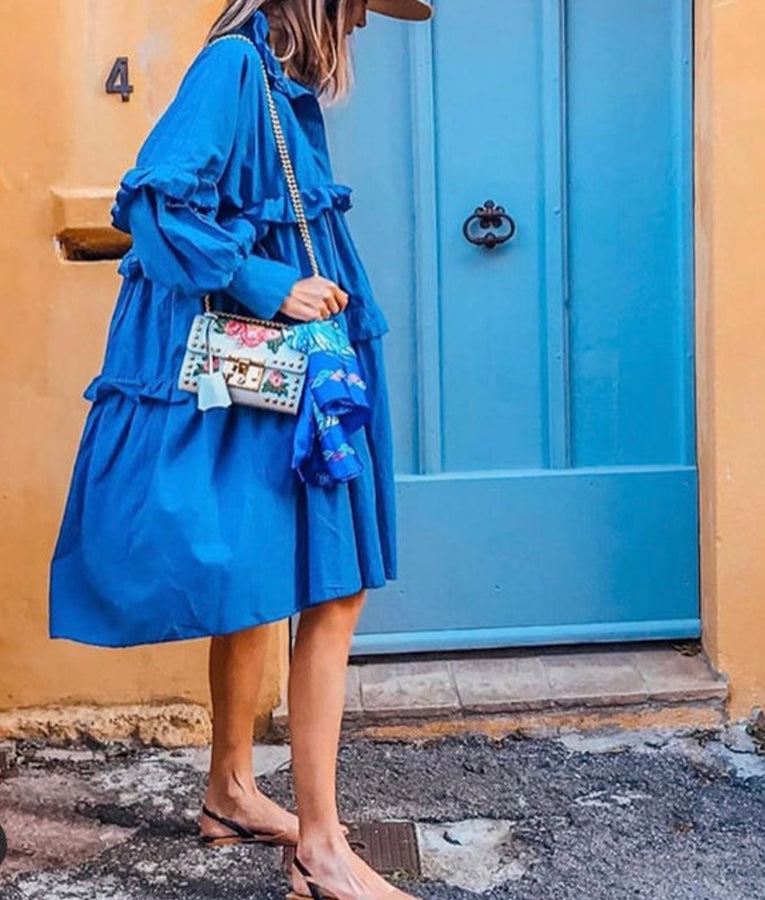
{"x":647,"y":683}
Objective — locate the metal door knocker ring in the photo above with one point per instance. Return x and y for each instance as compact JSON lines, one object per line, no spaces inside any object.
{"x":489,"y":217}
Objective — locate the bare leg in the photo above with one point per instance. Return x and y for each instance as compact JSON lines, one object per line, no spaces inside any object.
{"x":316,"y":699}
{"x":236,"y":665}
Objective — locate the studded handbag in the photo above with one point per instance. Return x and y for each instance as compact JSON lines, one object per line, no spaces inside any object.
{"x":239,"y":359}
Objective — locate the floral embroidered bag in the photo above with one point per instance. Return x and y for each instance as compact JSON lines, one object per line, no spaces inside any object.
{"x":258,"y":362}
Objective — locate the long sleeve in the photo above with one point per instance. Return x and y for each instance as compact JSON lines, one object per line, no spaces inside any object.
{"x":170,"y":203}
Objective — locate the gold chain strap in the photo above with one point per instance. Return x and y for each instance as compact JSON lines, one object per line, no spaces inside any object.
{"x":289,"y":173}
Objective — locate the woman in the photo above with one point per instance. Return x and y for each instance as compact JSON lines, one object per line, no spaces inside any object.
{"x":182,"y":521}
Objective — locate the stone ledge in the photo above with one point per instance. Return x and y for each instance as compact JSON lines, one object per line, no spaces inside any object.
{"x":543,"y":723}
{"x":164,"y":725}
{"x":558,"y":683}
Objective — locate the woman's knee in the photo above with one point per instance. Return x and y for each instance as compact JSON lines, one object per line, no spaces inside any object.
{"x":341,"y":611}
{"x":353,"y":602}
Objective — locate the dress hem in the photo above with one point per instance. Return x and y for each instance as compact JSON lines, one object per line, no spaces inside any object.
{"x":61,"y":634}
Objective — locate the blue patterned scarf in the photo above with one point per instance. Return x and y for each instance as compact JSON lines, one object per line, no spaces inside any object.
{"x":334,"y":404}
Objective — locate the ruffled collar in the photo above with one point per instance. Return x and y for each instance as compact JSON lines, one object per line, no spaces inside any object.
{"x":257,"y":29}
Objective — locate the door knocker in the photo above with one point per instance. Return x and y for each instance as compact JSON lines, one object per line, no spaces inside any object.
{"x":489,"y":218}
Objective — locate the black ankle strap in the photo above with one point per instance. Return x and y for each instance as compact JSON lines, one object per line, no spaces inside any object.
{"x":301,"y":868}
{"x":229,"y":823}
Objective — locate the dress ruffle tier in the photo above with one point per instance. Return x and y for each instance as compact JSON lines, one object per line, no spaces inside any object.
{"x":180,"y":523}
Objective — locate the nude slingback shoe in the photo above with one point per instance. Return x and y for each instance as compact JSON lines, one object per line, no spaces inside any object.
{"x":317,"y":892}
{"x":242,"y":834}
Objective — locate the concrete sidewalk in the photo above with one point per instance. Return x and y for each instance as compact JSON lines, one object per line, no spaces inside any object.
{"x":642,"y":814}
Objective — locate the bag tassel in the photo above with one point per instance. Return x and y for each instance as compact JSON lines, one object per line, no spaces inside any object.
{"x":212,"y":389}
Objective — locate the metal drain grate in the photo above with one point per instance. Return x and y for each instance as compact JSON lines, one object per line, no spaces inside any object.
{"x":388,"y":847}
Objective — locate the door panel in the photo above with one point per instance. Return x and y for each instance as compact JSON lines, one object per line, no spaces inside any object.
{"x":629,"y":228}
{"x":542,"y":390}
{"x":539,"y":557}
{"x":489,"y":99}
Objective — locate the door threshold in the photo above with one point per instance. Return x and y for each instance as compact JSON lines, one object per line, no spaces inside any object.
{"x":539,"y":690}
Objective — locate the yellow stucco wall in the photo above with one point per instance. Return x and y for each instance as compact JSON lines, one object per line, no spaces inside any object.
{"x":730,"y":228}
{"x":65,"y":140}
{"x":65,"y":143}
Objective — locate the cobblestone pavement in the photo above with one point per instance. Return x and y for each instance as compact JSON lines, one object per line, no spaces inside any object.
{"x":627,"y":815}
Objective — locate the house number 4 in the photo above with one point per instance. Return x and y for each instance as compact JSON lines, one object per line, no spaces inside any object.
{"x":118,"y":81}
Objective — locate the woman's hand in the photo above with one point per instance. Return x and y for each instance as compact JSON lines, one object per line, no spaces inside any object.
{"x":314,"y":298}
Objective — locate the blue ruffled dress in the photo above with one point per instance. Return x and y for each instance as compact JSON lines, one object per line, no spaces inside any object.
{"x":180,"y":523}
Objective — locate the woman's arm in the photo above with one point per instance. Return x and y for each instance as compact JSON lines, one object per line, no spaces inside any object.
{"x":169,"y":201}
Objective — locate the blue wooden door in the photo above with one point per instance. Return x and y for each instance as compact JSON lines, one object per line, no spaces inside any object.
{"x":543,"y":389}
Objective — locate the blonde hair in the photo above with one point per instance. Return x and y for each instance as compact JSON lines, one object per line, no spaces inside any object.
{"x":310,"y":42}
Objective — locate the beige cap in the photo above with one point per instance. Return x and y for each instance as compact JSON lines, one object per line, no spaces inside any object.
{"x":413,"y":10}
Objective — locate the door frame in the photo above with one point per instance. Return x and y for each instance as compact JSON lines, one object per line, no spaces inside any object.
{"x":420,"y":43}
